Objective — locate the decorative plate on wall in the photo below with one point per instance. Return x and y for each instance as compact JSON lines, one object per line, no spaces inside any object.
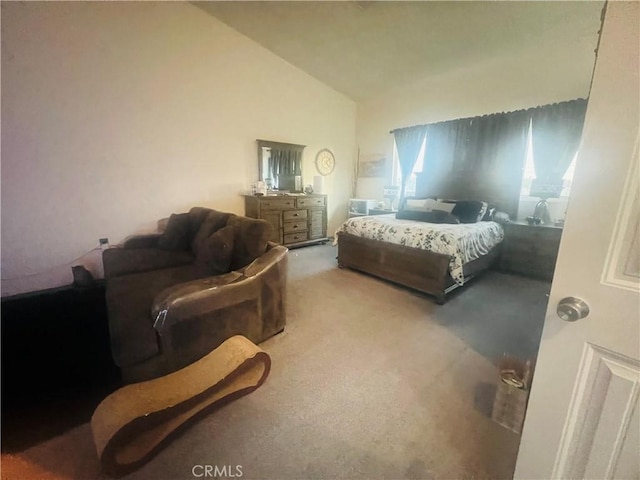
{"x":325,"y":161}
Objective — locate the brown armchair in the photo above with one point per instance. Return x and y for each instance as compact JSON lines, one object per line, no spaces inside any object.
{"x":174,"y":297}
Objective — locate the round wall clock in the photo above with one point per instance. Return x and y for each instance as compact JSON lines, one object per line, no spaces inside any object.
{"x":325,"y":161}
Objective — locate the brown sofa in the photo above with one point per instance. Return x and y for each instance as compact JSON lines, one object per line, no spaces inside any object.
{"x":174,"y":296}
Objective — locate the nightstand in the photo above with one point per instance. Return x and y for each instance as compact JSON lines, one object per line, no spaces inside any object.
{"x":530,"y":250}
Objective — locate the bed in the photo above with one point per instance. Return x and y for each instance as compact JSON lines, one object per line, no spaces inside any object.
{"x":434,"y":258}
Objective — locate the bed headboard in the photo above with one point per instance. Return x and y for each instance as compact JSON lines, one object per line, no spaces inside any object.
{"x":500,"y":192}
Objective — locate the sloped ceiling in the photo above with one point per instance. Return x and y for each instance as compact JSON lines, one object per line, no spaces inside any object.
{"x":364,"y":48}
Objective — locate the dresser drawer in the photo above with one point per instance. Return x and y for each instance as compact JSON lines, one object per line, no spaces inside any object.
{"x":277,"y":203}
{"x":311,"y":202}
{"x":290,"y":227}
{"x":294,"y":215}
{"x":295,"y":237}
{"x":296,"y":220}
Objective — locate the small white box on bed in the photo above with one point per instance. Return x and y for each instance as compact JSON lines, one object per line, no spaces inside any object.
{"x":361,"y":206}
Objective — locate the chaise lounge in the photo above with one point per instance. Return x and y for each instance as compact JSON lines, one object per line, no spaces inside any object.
{"x":174,"y":296}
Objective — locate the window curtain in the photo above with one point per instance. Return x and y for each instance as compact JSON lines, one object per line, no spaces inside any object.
{"x":408,"y":144}
{"x":285,"y":162}
{"x":284,"y":166}
{"x":485,"y":156}
{"x":503,"y":160}
{"x":479,"y":154}
{"x":556,"y":131}
{"x":438,"y":156}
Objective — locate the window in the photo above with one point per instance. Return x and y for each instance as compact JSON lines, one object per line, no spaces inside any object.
{"x":410,"y":189}
{"x":527,"y":177}
{"x":530,"y":172}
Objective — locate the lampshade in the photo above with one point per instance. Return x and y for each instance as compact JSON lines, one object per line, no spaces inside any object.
{"x":545,"y":188}
{"x":391,"y":191}
{"x":318,"y":184}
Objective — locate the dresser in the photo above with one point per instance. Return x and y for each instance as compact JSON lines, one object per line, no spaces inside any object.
{"x":530,"y":250}
{"x":297,"y":220}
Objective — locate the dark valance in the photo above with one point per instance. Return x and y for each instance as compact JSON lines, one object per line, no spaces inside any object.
{"x":484,"y":156}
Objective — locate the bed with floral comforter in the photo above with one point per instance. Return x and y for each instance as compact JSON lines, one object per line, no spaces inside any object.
{"x":463,"y":242}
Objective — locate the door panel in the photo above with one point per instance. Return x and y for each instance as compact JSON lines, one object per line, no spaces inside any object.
{"x":582,"y":416}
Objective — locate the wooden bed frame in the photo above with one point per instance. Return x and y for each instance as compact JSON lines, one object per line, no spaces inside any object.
{"x":425,"y":271}
{"x":419,"y":269}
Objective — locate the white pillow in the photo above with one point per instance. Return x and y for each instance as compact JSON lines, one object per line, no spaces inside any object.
{"x":427,"y":205}
{"x":415,"y":204}
{"x":437,"y":205}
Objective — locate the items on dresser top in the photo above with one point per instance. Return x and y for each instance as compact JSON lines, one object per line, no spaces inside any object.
{"x":297,"y":220}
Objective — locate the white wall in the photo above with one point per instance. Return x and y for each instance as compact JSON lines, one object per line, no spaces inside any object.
{"x":548,"y":72}
{"x":117,"y":114}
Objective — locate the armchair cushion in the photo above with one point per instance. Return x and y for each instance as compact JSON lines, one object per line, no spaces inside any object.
{"x":123,"y":261}
{"x":149,"y":240}
{"x":176,"y":235}
{"x":251,"y":240}
{"x":197,"y":216}
{"x":213,"y":222}
{"x":216,"y":251}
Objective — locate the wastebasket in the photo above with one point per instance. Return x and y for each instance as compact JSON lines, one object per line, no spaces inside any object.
{"x":512,"y":394}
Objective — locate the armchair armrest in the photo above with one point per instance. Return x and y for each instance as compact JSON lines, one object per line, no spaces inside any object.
{"x":274,"y":255}
{"x":200,"y":297}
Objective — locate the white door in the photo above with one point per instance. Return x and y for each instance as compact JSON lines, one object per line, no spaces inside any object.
{"x":583,"y":418}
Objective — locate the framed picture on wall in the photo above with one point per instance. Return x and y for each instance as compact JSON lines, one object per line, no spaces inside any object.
{"x":372,"y":165}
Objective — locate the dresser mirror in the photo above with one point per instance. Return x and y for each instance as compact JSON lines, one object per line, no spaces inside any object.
{"x":280,"y":165}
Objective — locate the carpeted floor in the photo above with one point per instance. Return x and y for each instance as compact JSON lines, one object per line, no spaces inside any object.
{"x":369,"y":380}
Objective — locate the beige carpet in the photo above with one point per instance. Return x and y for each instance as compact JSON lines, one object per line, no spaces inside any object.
{"x":368,"y":381}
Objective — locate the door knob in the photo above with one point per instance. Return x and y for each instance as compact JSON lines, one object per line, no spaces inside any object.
{"x":571,"y":309}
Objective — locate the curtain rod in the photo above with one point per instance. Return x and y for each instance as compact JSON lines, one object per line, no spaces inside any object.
{"x":487,"y":115}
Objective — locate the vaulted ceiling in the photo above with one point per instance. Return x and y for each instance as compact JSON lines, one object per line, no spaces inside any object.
{"x":362,"y":48}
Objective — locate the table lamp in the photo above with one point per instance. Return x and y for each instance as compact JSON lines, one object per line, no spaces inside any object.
{"x":390,"y":193}
{"x":544,"y":189}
